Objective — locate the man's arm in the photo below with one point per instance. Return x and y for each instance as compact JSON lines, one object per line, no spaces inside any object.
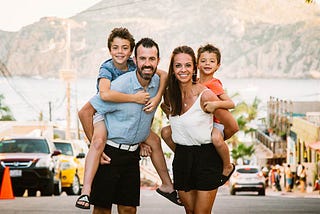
{"x":86,"y":118}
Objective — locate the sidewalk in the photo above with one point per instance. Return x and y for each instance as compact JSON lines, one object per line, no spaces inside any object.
{"x":295,"y":193}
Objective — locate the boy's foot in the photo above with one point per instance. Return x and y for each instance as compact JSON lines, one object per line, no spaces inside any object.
{"x":173,"y":196}
{"x":83,"y":202}
{"x":227,"y":173}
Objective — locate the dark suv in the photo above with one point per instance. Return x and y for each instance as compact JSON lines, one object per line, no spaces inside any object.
{"x":32,"y":163}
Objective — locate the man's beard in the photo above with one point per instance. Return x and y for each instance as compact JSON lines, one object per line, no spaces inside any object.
{"x":147,"y":76}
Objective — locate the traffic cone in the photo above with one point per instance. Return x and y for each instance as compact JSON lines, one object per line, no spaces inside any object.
{"x":6,"y":187}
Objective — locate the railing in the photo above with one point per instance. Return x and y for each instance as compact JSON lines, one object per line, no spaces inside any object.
{"x":275,"y":144}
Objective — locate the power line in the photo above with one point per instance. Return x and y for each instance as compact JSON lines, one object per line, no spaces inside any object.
{"x":112,"y":6}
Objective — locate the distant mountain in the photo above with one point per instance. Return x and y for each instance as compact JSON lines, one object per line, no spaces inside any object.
{"x":257,"y":38}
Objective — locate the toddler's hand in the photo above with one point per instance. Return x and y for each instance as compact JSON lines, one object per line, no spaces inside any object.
{"x":105,"y":159}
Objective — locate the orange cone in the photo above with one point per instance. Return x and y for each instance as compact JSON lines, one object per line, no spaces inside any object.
{"x":6,"y":187}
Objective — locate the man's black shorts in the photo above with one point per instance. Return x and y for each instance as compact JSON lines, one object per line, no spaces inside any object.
{"x":119,"y":181}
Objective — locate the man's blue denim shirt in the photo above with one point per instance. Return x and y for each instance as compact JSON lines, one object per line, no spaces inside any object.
{"x":127,"y":123}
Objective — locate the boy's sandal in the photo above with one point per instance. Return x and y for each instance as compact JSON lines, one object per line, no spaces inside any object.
{"x":173,"y":196}
{"x":83,"y":202}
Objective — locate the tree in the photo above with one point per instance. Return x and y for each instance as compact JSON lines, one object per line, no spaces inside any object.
{"x":242,"y":152}
{"x":5,"y":112}
{"x":244,"y":113}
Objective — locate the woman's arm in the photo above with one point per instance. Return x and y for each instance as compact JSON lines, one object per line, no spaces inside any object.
{"x":223,"y":115}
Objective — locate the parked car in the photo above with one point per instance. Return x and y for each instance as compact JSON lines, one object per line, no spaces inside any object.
{"x":247,"y":178}
{"x":72,"y":166}
{"x":33,"y":165}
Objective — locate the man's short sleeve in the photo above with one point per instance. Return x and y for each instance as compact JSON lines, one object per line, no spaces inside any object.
{"x":101,"y":106}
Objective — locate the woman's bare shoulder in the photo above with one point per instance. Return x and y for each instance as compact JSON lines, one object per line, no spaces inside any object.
{"x":208,"y":95}
{"x":198,"y":88}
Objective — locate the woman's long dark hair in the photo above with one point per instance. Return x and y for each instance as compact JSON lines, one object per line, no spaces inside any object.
{"x":173,"y":90}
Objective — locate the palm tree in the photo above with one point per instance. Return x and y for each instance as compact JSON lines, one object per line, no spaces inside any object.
{"x":244,"y":113}
{"x":242,"y":152}
{"x":5,"y":112}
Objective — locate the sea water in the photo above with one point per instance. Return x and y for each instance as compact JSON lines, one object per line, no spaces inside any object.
{"x":29,"y":97}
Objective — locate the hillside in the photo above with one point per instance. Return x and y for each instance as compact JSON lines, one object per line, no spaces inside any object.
{"x":257,"y":38}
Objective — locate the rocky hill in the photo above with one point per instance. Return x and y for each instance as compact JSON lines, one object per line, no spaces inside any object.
{"x":257,"y":38}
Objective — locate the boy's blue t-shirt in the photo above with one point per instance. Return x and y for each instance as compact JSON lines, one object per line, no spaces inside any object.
{"x":109,"y":71}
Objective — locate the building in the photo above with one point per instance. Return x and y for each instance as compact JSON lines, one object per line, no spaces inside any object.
{"x":292,"y":135}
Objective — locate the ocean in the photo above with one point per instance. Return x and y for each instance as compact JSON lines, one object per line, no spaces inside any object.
{"x":29,"y":97}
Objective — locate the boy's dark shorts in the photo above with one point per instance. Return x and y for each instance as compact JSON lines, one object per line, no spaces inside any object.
{"x":196,"y":168}
{"x":119,"y":181}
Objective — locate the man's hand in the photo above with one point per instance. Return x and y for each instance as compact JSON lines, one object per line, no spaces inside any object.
{"x":104,"y":159}
{"x":145,"y":150}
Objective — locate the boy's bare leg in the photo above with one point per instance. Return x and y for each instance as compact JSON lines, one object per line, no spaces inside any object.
{"x":223,"y":151}
{"x":85,"y":115}
{"x":97,"y":135}
{"x":159,"y":162}
{"x":166,"y":136}
{"x":93,"y":156}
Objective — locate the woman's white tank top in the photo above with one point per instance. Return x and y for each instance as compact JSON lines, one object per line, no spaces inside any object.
{"x":193,"y":127}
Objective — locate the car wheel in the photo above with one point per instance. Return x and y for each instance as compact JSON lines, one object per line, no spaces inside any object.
{"x":262,"y":192}
{"x":75,"y":187}
{"x":32,"y":192}
{"x":57,"y":188}
{"x":232,"y":192}
{"x":48,"y":189}
{"x":18,"y":192}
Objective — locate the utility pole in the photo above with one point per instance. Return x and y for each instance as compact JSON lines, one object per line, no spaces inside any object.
{"x":67,"y":74}
{"x":50,"y":111}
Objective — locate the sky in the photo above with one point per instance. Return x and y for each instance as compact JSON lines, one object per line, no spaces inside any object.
{"x":15,"y":14}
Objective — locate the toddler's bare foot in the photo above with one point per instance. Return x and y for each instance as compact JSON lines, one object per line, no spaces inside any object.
{"x":228,"y":169}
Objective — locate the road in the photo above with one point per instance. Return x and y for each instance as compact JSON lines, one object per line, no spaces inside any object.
{"x":153,"y":203}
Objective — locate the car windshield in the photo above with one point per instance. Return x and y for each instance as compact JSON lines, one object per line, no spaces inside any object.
{"x":24,"y":146}
{"x":65,"y":148}
{"x":247,"y":170}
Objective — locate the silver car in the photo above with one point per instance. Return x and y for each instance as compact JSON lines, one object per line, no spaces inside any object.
{"x":247,"y":178}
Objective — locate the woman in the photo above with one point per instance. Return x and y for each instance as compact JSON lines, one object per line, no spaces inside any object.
{"x":197,"y":166}
{"x":303,"y":179}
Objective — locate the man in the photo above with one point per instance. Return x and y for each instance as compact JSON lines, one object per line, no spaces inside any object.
{"x":127,"y":125}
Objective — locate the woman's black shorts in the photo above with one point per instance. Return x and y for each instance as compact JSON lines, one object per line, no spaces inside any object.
{"x":196,"y":168}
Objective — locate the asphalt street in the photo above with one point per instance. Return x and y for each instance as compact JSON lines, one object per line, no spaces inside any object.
{"x":153,"y":203}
